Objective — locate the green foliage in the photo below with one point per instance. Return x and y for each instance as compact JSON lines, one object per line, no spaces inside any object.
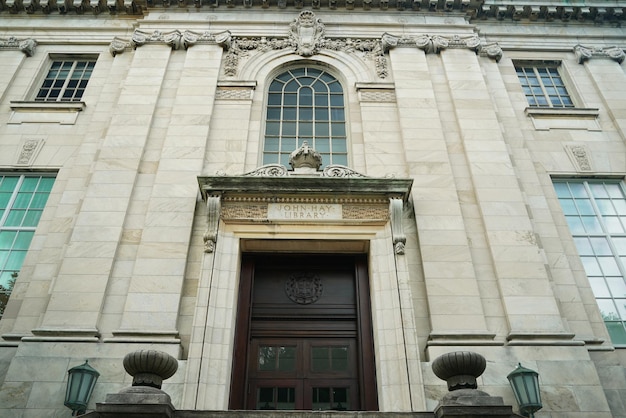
{"x":5,"y":292}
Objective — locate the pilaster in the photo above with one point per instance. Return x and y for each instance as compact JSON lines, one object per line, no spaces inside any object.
{"x":153,"y":301}
{"x":455,"y":307}
{"x":605,"y":67}
{"x":79,"y":290}
{"x":527,"y":296}
{"x":12,"y":57}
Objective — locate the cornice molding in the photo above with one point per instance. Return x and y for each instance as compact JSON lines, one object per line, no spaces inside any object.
{"x":594,"y":12}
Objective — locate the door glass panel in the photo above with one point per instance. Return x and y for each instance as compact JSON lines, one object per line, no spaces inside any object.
{"x":329,"y":398}
{"x":277,"y":358}
{"x":276,"y":398}
{"x":329,"y":358}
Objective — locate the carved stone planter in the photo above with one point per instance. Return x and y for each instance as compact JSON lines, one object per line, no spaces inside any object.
{"x":460,"y":369}
{"x":150,"y":367}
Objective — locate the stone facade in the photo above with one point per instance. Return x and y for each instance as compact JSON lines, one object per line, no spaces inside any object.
{"x":448,"y":190}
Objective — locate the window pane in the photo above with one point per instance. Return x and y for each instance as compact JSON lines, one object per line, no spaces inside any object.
{"x":617,"y":332}
{"x":600,"y":246}
{"x":608,"y":310}
{"x":24,"y":207}
{"x":599,"y":287}
{"x":617,"y":286}
{"x":6,"y":239}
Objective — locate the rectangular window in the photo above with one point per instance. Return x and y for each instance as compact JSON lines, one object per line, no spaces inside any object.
{"x":543,"y":84}
{"x":66,"y":80}
{"x":22,"y":199}
{"x":595,"y":211}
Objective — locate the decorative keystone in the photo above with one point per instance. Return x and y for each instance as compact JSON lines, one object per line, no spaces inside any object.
{"x":150,"y":367}
{"x":460,"y":369}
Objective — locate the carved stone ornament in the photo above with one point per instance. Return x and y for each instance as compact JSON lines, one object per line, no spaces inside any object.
{"x":150,"y":367}
{"x":459,"y":369}
{"x":213,"y":219}
{"x":307,"y":37}
{"x":336,"y":170}
{"x":434,"y":44}
{"x":306,"y":31}
{"x":118,"y":45}
{"x":269,"y":170}
{"x":305,"y":159}
{"x":304,"y":288}
{"x":491,"y":50}
{"x":397,"y":230}
{"x":580,"y":156}
{"x":27,"y":46}
{"x":175,"y":39}
{"x":613,"y":52}
{"x":28,"y":152}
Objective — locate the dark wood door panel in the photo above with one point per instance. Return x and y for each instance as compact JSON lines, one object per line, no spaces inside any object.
{"x":303,"y":337}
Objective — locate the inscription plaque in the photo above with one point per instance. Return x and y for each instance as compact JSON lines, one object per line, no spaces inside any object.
{"x":304,"y":211}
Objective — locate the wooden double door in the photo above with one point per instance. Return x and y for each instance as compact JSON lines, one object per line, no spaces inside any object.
{"x":304,"y":337}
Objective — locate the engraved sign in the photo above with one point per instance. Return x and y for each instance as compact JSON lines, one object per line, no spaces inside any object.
{"x":303,"y":211}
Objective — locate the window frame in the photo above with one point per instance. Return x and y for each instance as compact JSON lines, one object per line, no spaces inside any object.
{"x":44,"y":70}
{"x":601,"y":250}
{"x":299,"y":139}
{"x":563,"y":77}
{"x":5,"y":267}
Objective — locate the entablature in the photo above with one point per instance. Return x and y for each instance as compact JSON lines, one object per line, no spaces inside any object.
{"x":273,"y":195}
{"x":594,"y":12}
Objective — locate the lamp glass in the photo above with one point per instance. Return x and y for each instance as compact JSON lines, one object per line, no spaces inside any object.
{"x":80,"y":383}
{"x":525,"y":385}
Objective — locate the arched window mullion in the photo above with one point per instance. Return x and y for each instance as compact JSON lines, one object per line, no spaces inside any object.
{"x":309,"y":112}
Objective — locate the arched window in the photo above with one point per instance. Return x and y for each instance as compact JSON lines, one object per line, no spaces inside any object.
{"x":305,"y":104}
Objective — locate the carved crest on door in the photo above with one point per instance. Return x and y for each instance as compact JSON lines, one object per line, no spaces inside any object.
{"x":304,"y":287}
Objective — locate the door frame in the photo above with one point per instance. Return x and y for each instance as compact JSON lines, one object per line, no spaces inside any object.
{"x":368,"y":394}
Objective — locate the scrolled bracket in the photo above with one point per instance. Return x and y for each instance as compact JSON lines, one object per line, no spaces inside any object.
{"x":213,"y":203}
{"x":396,"y":206}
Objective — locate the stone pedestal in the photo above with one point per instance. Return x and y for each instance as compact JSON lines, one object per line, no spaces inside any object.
{"x":460,"y":370}
{"x":136,"y":402}
{"x":472,"y":403}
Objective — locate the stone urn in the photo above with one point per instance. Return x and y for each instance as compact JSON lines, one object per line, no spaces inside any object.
{"x":150,"y":367}
{"x":459,"y":369}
